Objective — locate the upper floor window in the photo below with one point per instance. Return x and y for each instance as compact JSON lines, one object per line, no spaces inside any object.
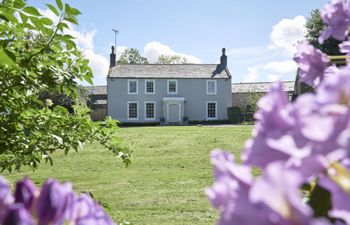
{"x":132,"y":87}
{"x":149,"y":87}
{"x":172,"y":87}
{"x":211,"y":87}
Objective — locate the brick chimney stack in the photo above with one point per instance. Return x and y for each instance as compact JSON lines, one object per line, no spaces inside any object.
{"x":112,"y":57}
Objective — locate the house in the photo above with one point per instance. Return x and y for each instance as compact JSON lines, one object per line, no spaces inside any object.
{"x":141,"y":93}
{"x":242,"y":93}
{"x":98,"y":102}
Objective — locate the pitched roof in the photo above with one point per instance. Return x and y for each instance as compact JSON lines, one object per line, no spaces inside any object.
{"x":260,"y":87}
{"x":166,"y":71}
{"x":97,"y":90}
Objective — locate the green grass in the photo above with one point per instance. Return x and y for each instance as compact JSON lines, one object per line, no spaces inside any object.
{"x":164,"y":185}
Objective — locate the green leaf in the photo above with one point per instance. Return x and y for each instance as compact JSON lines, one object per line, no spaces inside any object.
{"x":2,"y":17}
{"x":32,"y":11}
{"x":36,"y":21}
{"x":58,"y":138}
{"x":53,"y":9}
{"x":320,"y":201}
{"x":74,"y":11}
{"x":71,"y":11}
{"x":46,"y":21}
{"x":23,"y":17}
{"x":72,"y":20}
{"x":59,"y":4}
{"x":5,"y":59}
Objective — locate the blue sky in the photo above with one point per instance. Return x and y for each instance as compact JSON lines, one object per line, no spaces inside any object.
{"x":258,"y":35}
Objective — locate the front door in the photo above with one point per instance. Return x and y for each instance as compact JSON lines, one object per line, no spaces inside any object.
{"x":174,"y":113}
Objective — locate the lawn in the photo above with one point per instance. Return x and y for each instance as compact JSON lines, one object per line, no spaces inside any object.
{"x":164,"y":185}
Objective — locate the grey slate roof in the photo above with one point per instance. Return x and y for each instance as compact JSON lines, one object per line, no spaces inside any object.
{"x":260,"y":87}
{"x":166,"y":71}
{"x":97,"y":90}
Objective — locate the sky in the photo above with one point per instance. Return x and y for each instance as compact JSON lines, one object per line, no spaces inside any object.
{"x":259,"y":36}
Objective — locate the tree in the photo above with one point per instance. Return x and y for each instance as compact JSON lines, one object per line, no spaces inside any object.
{"x":172,"y":59}
{"x":314,"y":26}
{"x":37,"y":55}
{"x":61,"y":99}
{"x":132,"y":56}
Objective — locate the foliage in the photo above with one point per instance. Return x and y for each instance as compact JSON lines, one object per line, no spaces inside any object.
{"x":36,"y":54}
{"x":132,"y":56}
{"x":68,"y":102}
{"x":172,"y":59}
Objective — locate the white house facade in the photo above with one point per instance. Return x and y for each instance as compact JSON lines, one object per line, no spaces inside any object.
{"x":141,"y":93}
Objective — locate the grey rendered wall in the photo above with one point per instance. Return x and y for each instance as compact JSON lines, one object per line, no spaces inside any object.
{"x":193,"y":90}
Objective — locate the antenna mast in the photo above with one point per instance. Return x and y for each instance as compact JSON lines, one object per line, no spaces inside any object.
{"x":115,"y":38}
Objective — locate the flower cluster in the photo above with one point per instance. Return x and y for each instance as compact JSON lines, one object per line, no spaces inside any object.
{"x":54,"y":204}
{"x":298,"y":144}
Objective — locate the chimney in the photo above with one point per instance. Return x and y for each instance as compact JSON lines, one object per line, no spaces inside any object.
{"x":112,"y":57}
{"x":223,"y":59}
{"x":223,"y":64}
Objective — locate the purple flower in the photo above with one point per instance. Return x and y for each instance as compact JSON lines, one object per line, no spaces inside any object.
{"x":278,"y":188}
{"x":272,"y":199}
{"x":345,"y":47}
{"x":312,"y":64}
{"x":17,"y":214}
{"x":26,"y":192}
{"x":229,"y":192}
{"x":6,"y":198}
{"x":274,"y":130}
{"x":336,"y":91}
{"x":53,"y":202}
{"x":85,"y":211}
{"x":337,"y":16}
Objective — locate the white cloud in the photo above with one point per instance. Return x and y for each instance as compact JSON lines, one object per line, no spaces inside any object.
{"x":252,"y":76}
{"x":85,"y":41}
{"x":153,"y":50}
{"x":284,"y":67}
{"x":273,"y":77}
{"x":287,"y":33}
{"x":274,"y":60}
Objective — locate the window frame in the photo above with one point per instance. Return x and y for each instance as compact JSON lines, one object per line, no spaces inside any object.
{"x":207,"y":87}
{"x":168,"y":85}
{"x":207,"y":112}
{"x":154,"y":87}
{"x":154,"y":110}
{"x":137,"y":87}
{"x":137,"y":110}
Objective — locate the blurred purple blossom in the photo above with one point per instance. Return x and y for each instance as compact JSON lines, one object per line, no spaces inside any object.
{"x":26,"y":192}
{"x":312,"y":64}
{"x":17,"y":214}
{"x":85,"y":211}
{"x":336,"y":15}
{"x":6,"y":198}
{"x":53,"y":202}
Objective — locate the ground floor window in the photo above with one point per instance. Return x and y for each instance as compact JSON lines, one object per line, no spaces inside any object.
{"x":211,"y":110}
{"x":133,"y":110}
{"x":150,"y":110}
